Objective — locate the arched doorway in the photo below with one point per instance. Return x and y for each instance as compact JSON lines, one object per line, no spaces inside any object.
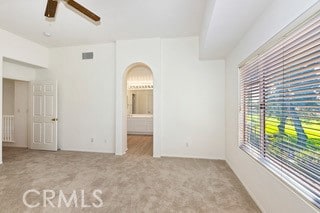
{"x":139,"y":110}
{"x":121,"y":109}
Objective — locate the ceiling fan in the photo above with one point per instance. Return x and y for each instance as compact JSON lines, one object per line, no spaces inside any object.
{"x":52,"y":8}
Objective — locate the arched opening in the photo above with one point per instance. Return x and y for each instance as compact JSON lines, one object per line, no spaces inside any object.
{"x":138,"y":86}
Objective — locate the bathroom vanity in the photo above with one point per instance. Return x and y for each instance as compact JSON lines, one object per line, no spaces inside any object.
{"x":140,"y":124}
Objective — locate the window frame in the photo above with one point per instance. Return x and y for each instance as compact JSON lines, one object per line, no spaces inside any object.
{"x":270,"y":164}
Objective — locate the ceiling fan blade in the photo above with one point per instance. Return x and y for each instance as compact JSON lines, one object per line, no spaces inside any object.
{"x":51,"y":8}
{"x":83,"y":10}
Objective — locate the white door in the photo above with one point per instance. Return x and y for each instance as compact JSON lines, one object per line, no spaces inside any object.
{"x":43,"y":112}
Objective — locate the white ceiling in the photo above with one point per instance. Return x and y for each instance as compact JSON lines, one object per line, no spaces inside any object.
{"x":219,"y":23}
{"x":121,"y":19}
{"x":225,"y":23}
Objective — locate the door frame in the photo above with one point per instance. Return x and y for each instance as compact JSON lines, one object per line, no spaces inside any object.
{"x":27,"y":81}
{"x":27,"y":78}
{"x":121,"y":110}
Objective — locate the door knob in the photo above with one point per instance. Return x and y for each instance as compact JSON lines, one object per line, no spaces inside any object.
{"x":54,"y":119}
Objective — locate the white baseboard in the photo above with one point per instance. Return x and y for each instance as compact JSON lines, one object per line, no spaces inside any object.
{"x":191,"y":157}
{"x":14,"y":146}
{"x":120,"y":154}
{"x":86,"y":150}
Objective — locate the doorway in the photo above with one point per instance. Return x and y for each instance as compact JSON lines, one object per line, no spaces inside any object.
{"x":15,"y":113}
{"x":139,"y":110}
{"x":29,"y":108}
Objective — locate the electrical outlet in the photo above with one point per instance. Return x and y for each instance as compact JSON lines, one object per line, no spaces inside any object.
{"x":92,"y":140}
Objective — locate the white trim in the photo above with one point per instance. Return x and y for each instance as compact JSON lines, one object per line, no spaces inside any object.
{"x":240,"y":110}
{"x":86,"y":150}
{"x":12,"y":145}
{"x":1,"y":102}
{"x":195,"y":157}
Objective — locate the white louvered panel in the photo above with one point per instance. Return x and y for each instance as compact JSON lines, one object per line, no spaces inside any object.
{"x":8,"y":128}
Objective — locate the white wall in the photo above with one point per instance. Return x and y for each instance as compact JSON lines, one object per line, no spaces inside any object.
{"x":16,"y":71}
{"x":8,"y":97}
{"x":269,"y":192}
{"x":86,"y":101}
{"x":23,"y":50}
{"x":192,"y":104}
{"x":21,"y":114}
{"x":193,"y":99}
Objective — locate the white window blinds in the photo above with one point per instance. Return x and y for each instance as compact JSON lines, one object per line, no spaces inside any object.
{"x":280,"y":109}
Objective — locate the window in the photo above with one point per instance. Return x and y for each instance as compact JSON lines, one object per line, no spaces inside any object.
{"x":280,"y":109}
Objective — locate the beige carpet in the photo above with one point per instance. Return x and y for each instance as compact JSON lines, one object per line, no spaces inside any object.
{"x":129,"y":183}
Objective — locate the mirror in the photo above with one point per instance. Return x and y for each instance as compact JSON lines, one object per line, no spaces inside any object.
{"x":140,"y":102}
{"x":140,"y":91}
